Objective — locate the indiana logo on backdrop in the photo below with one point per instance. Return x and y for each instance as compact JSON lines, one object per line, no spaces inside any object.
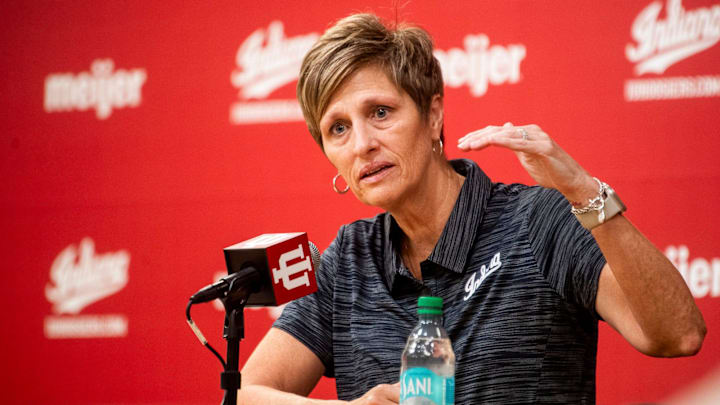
{"x":80,"y":277}
{"x":268,"y":60}
{"x":660,"y":43}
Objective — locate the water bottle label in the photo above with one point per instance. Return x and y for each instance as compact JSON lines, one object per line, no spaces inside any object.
{"x":424,"y":383}
{"x":449,"y":390}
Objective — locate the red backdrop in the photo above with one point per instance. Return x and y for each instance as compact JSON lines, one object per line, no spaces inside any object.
{"x":140,"y":138}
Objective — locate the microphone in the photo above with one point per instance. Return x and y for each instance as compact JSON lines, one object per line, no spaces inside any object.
{"x":269,"y":269}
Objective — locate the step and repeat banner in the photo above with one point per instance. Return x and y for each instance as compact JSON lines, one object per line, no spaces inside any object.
{"x":141,"y":138}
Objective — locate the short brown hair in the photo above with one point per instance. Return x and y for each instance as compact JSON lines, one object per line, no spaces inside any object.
{"x":404,"y":53}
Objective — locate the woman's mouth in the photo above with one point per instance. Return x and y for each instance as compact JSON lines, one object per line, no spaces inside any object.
{"x":375,"y":172}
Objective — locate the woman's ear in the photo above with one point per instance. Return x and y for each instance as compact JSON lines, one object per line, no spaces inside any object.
{"x":435,"y":115}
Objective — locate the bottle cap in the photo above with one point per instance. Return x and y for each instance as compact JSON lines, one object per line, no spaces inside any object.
{"x":430,"y":305}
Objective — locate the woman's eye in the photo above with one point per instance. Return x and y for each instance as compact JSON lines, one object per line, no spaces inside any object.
{"x":381,"y":112}
{"x":338,"y":128}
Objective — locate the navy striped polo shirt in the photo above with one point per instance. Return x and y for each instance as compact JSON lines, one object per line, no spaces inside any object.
{"x":518,"y":275}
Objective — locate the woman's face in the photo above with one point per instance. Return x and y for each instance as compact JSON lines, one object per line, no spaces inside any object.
{"x":374,"y":134}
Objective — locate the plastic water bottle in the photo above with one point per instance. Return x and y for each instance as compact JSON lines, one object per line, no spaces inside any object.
{"x":427,"y":376}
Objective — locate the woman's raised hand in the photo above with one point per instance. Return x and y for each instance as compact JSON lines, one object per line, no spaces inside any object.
{"x":546,"y":162}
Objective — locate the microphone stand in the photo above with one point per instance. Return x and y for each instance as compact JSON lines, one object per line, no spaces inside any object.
{"x":233,"y":332}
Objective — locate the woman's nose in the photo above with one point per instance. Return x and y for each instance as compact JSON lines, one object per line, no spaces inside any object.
{"x":365,"y":139}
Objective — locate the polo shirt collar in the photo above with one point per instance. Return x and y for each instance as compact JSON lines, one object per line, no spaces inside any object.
{"x":453,"y":248}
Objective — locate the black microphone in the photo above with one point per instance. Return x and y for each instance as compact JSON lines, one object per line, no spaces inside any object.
{"x":244,"y":282}
{"x":268,"y":270}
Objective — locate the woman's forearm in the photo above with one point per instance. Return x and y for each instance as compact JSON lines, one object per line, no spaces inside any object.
{"x":262,"y":395}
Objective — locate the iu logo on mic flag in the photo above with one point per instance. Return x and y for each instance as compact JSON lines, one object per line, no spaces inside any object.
{"x":284,"y":262}
{"x":291,"y":268}
{"x":298,"y":269}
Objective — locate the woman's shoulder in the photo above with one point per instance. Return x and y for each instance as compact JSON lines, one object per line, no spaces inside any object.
{"x":523,"y":193}
{"x":358,"y":244}
{"x":363,"y":231}
{"x":524,"y":200}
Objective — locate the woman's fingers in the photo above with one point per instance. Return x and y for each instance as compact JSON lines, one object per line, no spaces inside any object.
{"x":508,"y":136}
{"x":542,"y":158}
{"x":383,"y":394}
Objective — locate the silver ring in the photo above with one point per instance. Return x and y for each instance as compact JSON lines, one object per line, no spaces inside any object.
{"x":524,"y":134}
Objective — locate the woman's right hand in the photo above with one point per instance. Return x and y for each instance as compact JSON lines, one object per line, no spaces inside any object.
{"x":268,"y":380}
{"x":383,"y":394}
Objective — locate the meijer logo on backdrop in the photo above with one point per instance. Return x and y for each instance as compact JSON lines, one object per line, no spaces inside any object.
{"x":479,"y":64}
{"x":701,"y":275}
{"x":661,"y":43}
{"x":268,"y":60}
{"x":78,"y":278}
{"x":102,"y":89}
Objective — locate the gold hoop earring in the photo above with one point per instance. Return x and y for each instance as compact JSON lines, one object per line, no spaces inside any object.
{"x":347,"y":187}
{"x":441,"y":147}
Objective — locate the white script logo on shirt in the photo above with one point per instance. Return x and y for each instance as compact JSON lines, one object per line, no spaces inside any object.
{"x":477,"y":278}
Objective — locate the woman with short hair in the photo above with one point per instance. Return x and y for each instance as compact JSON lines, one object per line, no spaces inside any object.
{"x":524,"y":281}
